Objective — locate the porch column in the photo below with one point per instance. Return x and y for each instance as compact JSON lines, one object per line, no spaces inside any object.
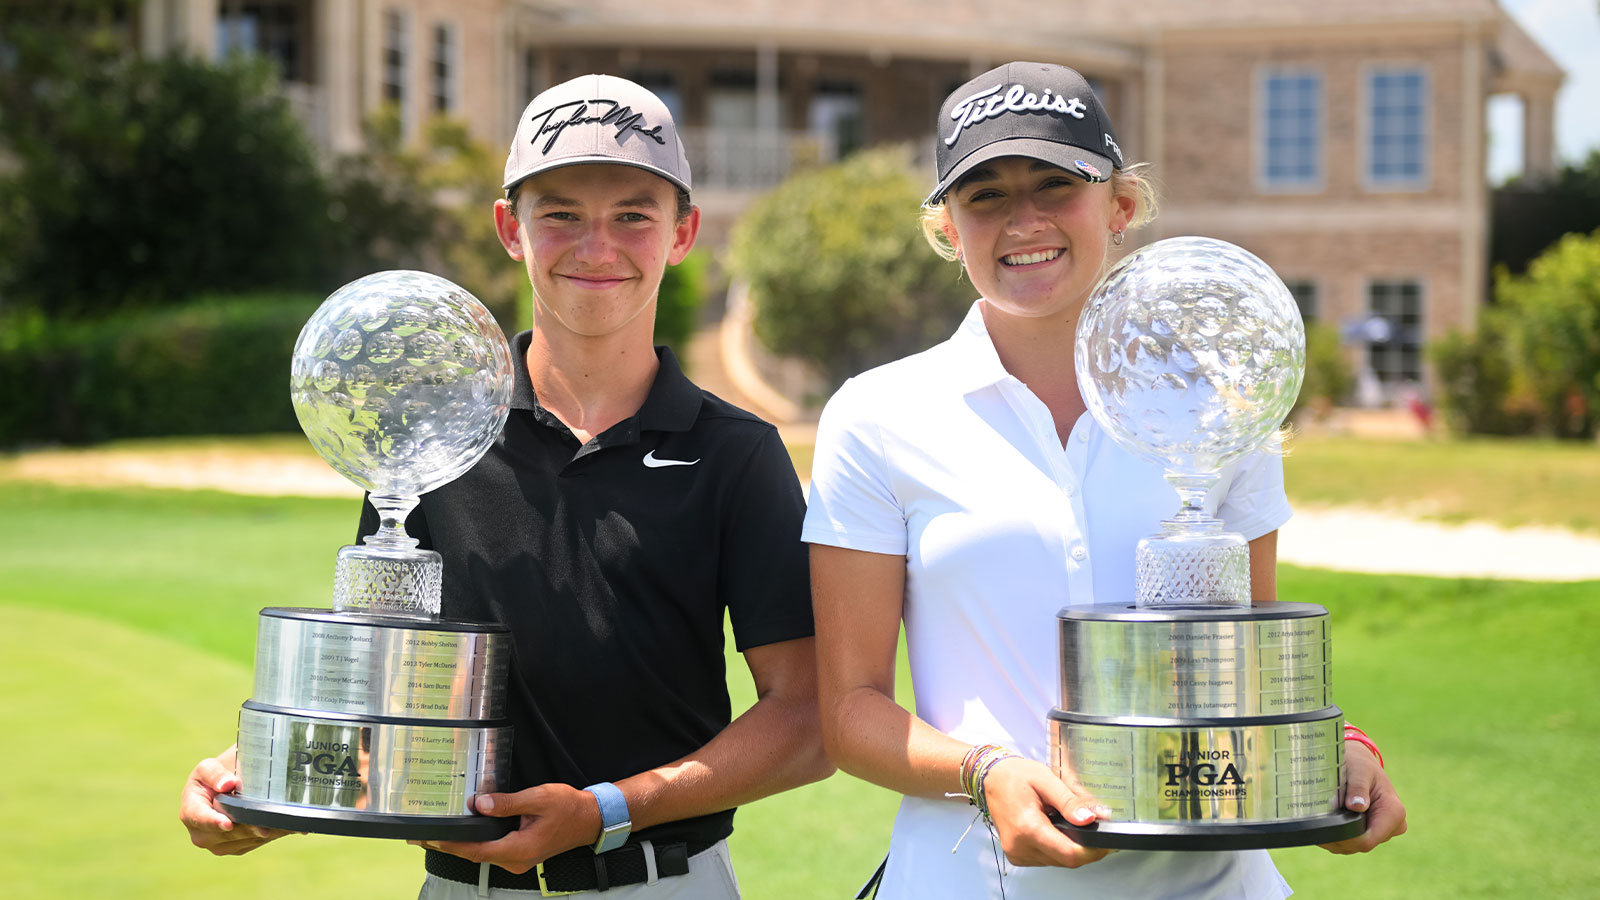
{"x":1538,"y":134}
{"x":197,"y":25}
{"x":336,"y":35}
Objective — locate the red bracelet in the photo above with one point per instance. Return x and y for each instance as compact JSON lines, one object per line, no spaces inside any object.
{"x":1352,"y":733}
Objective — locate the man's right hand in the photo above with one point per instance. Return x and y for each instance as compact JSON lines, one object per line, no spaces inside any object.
{"x":209,"y":827}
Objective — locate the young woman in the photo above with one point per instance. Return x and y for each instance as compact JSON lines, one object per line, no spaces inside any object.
{"x":965,"y":491}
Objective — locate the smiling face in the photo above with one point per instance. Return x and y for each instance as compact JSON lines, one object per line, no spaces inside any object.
{"x":595,"y":240}
{"x":1033,"y":236}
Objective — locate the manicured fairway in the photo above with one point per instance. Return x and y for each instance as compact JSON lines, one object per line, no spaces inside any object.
{"x":1508,"y":481}
{"x":126,"y":633}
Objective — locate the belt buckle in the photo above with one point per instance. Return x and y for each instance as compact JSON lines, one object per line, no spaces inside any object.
{"x":544,"y":891}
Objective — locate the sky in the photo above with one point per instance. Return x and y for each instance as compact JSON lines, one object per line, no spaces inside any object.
{"x":1569,"y":30}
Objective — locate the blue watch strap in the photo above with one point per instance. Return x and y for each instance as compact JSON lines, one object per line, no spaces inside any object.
{"x":615,"y":824}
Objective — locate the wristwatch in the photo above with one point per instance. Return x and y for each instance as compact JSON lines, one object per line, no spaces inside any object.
{"x":615,"y":825}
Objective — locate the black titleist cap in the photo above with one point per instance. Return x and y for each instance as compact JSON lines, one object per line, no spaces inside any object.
{"x":1028,"y":109}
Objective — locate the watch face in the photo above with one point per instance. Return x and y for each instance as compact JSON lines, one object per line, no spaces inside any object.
{"x":613,"y":836}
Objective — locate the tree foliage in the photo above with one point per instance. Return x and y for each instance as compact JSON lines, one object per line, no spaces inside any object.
{"x":135,"y":182}
{"x":1554,"y":338}
{"x":1534,"y":362}
{"x":426,"y":205}
{"x":838,"y":268}
{"x":132,"y":181}
{"x":1528,"y":217}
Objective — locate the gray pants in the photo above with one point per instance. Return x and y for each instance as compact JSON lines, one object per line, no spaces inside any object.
{"x":710,"y":878}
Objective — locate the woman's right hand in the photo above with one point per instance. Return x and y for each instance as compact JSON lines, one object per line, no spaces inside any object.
{"x":1020,"y":792}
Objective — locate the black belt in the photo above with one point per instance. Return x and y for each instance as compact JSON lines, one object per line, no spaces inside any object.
{"x":576,"y":870}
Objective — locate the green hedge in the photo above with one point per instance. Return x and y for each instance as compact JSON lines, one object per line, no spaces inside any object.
{"x":217,"y":365}
{"x":683,"y":292}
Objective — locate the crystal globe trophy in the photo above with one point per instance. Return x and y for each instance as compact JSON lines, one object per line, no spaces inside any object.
{"x":1203,"y":721}
{"x":379,"y":717}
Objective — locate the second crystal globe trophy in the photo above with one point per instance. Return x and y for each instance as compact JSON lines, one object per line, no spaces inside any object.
{"x":379,"y":718}
{"x":1202,"y":721}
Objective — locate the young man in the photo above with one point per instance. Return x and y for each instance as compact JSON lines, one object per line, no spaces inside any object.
{"x":619,"y":513}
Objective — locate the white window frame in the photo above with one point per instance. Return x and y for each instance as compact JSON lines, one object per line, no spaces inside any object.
{"x":1266,"y":182}
{"x":449,"y":86}
{"x":1424,"y":177}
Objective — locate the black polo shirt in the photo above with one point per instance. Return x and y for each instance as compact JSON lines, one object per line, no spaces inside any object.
{"x":612,"y":562}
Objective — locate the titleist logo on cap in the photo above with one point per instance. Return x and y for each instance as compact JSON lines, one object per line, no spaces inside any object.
{"x":987,"y":104}
{"x":608,"y":112}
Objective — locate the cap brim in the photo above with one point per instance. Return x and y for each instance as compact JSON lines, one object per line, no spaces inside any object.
{"x":1067,"y":156}
{"x":594,"y":160}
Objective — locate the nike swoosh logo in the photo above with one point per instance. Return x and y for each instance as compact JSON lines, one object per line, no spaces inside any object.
{"x":651,"y":462}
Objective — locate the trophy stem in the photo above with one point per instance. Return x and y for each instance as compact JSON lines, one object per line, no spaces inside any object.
{"x":387,"y":573}
{"x":1192,"y":489}
{"x":1192,"y":562}
{"x":392,"y":512}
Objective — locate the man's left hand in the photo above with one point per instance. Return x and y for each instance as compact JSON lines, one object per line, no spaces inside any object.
{"x":555,"y":818}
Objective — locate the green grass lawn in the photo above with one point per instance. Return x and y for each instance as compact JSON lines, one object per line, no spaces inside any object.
{"x":127,"y":620}
{"x":1504,"y":480}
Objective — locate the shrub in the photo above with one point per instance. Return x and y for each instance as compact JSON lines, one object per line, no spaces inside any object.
{"x":1474,"y":381}
{"x":1329,"y":375}
{"x":838,"y":269}
{"x":683,"y":292}
{"x":1554,"y":334}
{"x":217,"y":365}
{"x":1534,"y":363}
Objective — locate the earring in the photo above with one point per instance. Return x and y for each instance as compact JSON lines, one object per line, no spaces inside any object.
{"x":1116,"y":237}
{"x":959,"y":258}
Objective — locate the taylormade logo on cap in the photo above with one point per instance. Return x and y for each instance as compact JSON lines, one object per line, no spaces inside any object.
{"x":596,"y":119}
{"x":578,"y":112}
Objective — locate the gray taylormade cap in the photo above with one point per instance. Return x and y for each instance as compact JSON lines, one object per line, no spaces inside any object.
{"x":596,"y":119}
{"x":1037,"y":110}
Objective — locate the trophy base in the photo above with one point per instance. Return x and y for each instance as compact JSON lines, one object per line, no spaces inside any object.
{"x":1337,"y":826}
{"x":292,"y":817}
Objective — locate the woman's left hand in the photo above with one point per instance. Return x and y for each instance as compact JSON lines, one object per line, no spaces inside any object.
{"x":1370,"y":791}
{"x":1020,"y":792}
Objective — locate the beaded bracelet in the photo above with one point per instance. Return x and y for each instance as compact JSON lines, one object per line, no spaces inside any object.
{"x":1352,"y":733}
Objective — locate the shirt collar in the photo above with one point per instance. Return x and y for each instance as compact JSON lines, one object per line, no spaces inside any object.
{"x":673,"y":403}
{"x":977,"y":363}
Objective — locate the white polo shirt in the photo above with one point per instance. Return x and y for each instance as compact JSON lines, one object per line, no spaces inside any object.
{"x":948,"y":460}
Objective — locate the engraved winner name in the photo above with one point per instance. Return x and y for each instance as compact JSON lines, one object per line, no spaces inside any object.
{"x":429,"y":664}
{"x":340,"y":636}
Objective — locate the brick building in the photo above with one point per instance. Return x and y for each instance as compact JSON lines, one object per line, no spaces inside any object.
{"x":1342,"y":142}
